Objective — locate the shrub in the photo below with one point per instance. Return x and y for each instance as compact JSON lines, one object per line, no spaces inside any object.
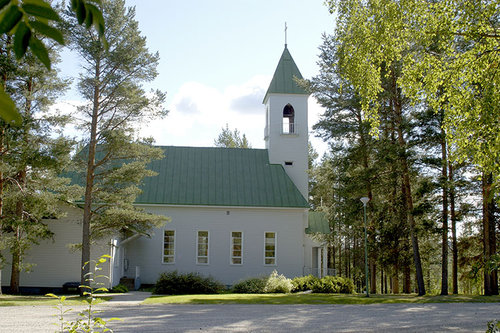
{"x":87,"y":320}
{"x":304,"y":283}
{"x":173,"y":283}
{"x":333,"y":284}
{"x":278,"y":283}
{"x":119,"y":288}
{"x":254,"y":285}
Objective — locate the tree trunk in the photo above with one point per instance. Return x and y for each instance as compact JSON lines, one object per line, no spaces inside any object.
{"x":15,"y":271}
{"x":340,"y":250}
{"x":368,"y":185}
{"x":89,"y":185}
{"x":16,"y":251}
{"x":453,"y":217}
{"x":395,"y":280}
{"x":444,"y":216}
{"x":407,"y":279}
{"x":381,"y":281}
{"x":398,"y":118}
{"x":354,"y":253}
{"x":347,"y":259}
{"x":373,"y":277}
{"x":489,"y":238}
{"x":2,"y":133}
{"x":385,"y":282}
{"x":2,"y":152}
{"x":340,"y":253}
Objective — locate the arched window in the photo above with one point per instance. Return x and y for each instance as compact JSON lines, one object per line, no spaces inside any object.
{"x":288,"y":119}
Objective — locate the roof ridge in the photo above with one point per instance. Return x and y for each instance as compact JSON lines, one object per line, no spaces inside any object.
{"x":198,"y":147}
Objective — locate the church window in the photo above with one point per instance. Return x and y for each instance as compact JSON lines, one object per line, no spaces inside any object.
{"x":202,"y":247}
{"x":270,"y":248}
{"x":236,"y":247}
{"x":288,"y":119}
{"x":169,"y":246}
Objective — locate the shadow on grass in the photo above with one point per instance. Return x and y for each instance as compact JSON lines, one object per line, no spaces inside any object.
{"x":315,"y":299}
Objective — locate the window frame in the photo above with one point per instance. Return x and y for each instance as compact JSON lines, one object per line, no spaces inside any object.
{"x":288,"y":127}
{"x":231,"y":248}
{"x":275,"y":248}
{"x":198,"y":247}
{"x":175,"y":244}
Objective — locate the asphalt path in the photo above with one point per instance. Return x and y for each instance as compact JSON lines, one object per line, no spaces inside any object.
{"x":136,"y":317}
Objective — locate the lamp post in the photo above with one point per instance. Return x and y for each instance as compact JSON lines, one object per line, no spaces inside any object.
{"x":365,"y":200}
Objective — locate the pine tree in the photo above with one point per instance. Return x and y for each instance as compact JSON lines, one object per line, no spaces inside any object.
{"x":231,"y":139}
{"x":114,"y":161}
{"x":31,"y":156}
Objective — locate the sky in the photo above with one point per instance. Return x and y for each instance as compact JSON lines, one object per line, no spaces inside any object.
{"x":217,"y":59}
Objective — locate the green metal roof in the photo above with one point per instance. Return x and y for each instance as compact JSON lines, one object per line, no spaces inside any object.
{"x":219,"y":177}
{"x":318,"y":223}
{"x":283,"y":79}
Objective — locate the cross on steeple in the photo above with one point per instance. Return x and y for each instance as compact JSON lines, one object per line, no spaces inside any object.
{"x":285,"y":33}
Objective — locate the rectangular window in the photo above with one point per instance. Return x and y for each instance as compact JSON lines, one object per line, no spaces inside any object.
{"x":270,"y":248}
{"x":169,"y":247}
{"x":236,"y":248}
{"x":202,"y":247}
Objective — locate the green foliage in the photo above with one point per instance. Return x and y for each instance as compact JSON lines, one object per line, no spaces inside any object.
{"x":333,"y":285}
{"x":231,"y":139}
{"x":278,"y":283}
{"x":274,"y":283}
{"x":446,"y":54}
{"x":8,"y":109}
{"x":88,"y":320}
{"x":26,"y":20}
{"x":304,"y":283}
{"x":31,"y":155}
{"x":254,"y":285}
{"x":493,"y":326}
{"x":173,"y":283}
{"x":114,"y":160}
{"x":119,"y":288}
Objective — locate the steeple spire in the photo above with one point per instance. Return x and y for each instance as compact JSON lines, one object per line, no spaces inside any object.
{"x":286,"y":28}
{"x":283,"y":81}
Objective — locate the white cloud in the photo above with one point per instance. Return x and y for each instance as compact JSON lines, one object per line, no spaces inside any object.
{"x":315,"y":111}
{"x":199,"y":112}
{"x":247,"y":98}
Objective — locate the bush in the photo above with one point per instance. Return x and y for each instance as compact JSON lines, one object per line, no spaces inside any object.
{"x":254,"y":285}
{"x":304,"y":283}
{"x":273,"y":283}
{"x":333,"y":285}
{"x":173,"y":283}
{"x":119,"y":288}
{"x":278,"y":284}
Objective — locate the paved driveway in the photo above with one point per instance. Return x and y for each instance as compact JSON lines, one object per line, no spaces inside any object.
{"x":441,"y":317}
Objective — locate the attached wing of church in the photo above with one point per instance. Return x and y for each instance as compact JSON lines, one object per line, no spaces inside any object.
{"x":234,"y":213}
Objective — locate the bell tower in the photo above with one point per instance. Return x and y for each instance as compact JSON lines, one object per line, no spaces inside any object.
{"x":286,"y":132}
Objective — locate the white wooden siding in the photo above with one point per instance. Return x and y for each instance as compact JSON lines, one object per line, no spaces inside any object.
{"x":54,"y":263}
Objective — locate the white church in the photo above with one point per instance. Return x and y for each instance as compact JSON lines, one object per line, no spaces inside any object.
{"x":235,"y":213}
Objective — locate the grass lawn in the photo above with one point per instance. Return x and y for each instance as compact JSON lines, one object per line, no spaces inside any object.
{"x":71,"y":300}
{"x":315,"y":299}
